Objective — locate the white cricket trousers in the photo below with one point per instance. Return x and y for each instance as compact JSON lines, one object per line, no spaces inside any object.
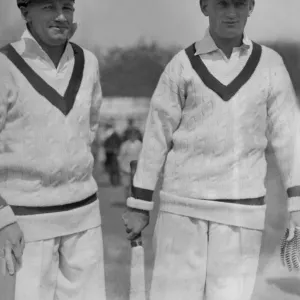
{"x":197,"y":260}
{"x":64,"y":268}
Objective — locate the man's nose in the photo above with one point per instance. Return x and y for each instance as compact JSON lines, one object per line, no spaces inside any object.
{"x":60,"y":16}
{"x":231,"y":12}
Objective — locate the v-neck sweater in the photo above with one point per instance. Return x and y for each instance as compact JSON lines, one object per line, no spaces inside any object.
{"x":214,"y":147}
{"x":45,"y":154}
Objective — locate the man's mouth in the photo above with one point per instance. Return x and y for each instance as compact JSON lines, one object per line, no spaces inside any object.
{"x":231,"y":22}
{"x":60,"y":27}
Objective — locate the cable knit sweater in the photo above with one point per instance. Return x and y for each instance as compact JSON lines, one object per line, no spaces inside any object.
{"x":45,"y":155}
{"x":211,"y":129}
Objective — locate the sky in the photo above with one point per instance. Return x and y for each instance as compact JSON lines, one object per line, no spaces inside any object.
{"x":108,"y":23}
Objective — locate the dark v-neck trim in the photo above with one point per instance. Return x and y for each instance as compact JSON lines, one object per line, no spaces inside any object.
{"x":226,"y":92}
{"x":65,"y":103}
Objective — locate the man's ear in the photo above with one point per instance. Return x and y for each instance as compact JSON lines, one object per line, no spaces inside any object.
{"x":24,"y":13}
{"x":251,"y":6}
{"x":203,"y":5}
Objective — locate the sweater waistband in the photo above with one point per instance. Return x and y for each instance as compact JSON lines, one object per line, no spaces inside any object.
{"x":223,"y":212}
{"x":244,"y":201}
{"x":34,"y":210}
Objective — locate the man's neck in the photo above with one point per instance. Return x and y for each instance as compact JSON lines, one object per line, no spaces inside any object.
{"x":54,"y":52}
{"x":227,"y":45}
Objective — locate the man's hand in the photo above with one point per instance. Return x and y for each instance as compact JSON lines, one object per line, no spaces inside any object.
{"x":12,"y":246}
{"x":135,"y":221}
{"x":290,"y":244}
{"x":294,"y":222}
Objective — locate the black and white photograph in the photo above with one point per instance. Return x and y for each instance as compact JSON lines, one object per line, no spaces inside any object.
{"x":149,"y":150}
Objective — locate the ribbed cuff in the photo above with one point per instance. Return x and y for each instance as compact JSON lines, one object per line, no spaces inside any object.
{"x":139,"y":204}
{"x":7,"y":216}
{"x":293,"y":204}
{"x":293,"y":191}
{"x":142,"y":194}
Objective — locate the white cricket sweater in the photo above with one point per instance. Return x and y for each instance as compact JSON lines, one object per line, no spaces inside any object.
{"x":215,"y":148}
{"x":45,"y":155}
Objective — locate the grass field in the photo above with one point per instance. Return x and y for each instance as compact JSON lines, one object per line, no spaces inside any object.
{"x":273,"y":282}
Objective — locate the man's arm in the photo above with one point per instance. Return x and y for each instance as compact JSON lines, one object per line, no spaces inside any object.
{"x":95,"y":102}
{"x":284,"y":133}
{"x":8,"y":94}
{"x":163,"y":119}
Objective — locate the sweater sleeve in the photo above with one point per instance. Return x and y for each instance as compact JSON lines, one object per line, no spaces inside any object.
{"x":96,"y":102}
{"x":163,"y":119}
{"x":284,"y":131}
{"x":8,"y":94}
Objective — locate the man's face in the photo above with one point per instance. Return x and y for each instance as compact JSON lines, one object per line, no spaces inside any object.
{"x":51,"y":20}
{"x":227,"y":18}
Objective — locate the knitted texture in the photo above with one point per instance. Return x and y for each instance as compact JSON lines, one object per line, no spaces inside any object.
{"x":45,"y":156}
{"x":215,"y":149}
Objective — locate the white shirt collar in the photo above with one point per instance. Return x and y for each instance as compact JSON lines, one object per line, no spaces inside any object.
{"x":207,"y":44}
{"x":32,"y":48}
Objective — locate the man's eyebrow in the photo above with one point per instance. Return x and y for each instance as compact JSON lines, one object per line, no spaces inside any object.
{"x":69,"y":3}
{"x":43,"y":2}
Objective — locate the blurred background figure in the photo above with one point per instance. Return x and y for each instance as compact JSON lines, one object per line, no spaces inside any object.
{"x":130,"y":150}
{"x":131,"y":130}
{"x":112,"y":144}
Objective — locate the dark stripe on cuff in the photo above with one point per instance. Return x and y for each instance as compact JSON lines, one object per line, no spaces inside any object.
{"x":293,"y":191}
{"x":142,"y":194}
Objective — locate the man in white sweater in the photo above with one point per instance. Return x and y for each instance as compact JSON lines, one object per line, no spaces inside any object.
{"x":50,"y":97}
{"x":216,"y":106}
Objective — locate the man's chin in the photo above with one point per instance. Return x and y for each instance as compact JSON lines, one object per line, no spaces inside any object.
{"x":231,"y":33}
{"x":59,"y":35}
{"x":58,"y":40}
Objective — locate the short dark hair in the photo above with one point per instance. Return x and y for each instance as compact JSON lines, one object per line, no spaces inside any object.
{"x":24,"y":3}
